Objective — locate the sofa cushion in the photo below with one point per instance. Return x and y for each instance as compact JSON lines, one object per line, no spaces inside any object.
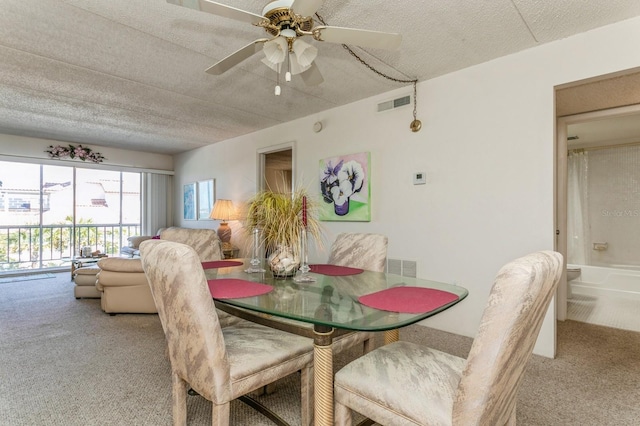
{"x":120,"y":279}
{"x":86,"y":276}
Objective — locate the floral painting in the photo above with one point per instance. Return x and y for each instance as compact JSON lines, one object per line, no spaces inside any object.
{"x":344,"y":185}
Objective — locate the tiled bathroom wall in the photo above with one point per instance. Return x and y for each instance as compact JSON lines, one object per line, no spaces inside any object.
{"x":614,"y":205}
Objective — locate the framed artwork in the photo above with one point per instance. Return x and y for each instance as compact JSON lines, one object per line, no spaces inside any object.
{"x":344,"y":185}
{"x":189,"y":201}
{"x":206,"y":198}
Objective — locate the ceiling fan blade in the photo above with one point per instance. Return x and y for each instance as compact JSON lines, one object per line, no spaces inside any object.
{"x":220,"y":10}
{"x":306,"y":7}
{"x":312,"y":76}
{"x":362,"y":38}
{"x":236,"y":57}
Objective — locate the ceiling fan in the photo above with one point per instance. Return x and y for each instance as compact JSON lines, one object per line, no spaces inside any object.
{"x":286,"y":22}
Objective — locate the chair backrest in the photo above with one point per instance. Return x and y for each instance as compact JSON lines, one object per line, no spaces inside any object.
{"x":196,"y":345}
{"x":508,"y":330}
{"x":205,"y":242}
{"x":365,"y":251}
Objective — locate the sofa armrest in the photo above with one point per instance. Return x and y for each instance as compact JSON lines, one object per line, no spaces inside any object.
{"x":120,"y":264}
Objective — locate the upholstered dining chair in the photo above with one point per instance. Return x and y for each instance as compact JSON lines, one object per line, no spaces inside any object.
{"x":220,"y":364}
{"x":358,"y":250}
{"x":408,"y":384}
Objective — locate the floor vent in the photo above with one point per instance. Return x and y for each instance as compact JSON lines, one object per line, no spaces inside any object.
{"x":395,"y":103}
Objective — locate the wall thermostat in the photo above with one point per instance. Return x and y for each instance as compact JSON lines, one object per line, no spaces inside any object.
{"x":419,"y":178}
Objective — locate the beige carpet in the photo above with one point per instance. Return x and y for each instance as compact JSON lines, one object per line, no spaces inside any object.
{"x":64,"y":362}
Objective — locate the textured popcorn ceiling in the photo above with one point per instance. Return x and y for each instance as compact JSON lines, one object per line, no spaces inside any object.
{"x":130,"y":73}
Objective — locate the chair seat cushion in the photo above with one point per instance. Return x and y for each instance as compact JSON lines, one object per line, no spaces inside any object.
{"x":428,"y":378}
{"x":255,"y":351}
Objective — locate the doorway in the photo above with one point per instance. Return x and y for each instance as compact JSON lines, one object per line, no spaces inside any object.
{"x":276,"y":168}
{"x":595,"y":191}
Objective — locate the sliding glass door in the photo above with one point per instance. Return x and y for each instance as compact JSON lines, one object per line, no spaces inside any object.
{"x":48,"y":213}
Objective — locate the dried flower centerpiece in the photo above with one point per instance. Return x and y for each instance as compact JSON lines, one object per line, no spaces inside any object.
{"x":280,"y":218}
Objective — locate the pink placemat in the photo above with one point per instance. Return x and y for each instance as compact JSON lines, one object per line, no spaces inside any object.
{"x":334,"y":270}
{"x":233,"y":288}
{"x":220,"y":264}
{"x":411,"y":300}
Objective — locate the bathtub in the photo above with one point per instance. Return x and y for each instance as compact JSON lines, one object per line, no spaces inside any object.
{"x":618,"y":280}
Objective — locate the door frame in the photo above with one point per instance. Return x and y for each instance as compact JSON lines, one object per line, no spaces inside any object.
{"x":261,"y":155}
{"x":561,"y":187}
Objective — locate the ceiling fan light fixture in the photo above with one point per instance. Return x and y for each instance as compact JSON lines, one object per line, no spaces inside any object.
{"x":305,"y":53}
{"x":288,"y":33}
{"x":296,"y":67}
{"x":276,"y":50}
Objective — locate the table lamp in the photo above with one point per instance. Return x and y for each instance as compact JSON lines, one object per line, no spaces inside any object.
{"x":224,"y":210}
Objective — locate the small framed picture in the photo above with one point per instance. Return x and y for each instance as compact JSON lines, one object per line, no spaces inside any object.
{"x":206,"y":198}
{"x":189,"y":201}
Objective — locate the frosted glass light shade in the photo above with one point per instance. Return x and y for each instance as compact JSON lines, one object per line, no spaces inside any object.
{"x":305,"y":53}
{"x":275,"y":51}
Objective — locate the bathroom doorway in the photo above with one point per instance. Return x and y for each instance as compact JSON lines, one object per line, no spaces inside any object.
{"x":598,"y":200}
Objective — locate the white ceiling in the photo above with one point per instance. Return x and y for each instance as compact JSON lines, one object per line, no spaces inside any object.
{"x":130,"y":73}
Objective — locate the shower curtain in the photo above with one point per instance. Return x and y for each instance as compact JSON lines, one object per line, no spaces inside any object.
{"x":578,"y":238}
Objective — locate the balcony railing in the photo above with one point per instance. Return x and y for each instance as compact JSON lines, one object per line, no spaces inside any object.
{"x":33,"y":247}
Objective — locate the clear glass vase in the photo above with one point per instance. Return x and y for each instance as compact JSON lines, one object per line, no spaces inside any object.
{"x":303,"y":276}
{"x":256,"y":261}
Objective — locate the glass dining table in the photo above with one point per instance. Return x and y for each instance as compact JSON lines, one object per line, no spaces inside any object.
{"x":332,"y":304}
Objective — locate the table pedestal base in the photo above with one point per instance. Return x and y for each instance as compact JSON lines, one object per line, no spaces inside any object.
{"x":323,"y":375}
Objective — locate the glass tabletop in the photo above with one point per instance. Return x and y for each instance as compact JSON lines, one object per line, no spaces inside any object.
{"x":331,"y":300}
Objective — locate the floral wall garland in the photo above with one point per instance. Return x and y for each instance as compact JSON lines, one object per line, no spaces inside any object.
{"x":74,"y":151}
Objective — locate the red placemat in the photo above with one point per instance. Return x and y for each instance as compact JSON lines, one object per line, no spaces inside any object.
{"x":411,"y":300}
{"x":334,"y":270}
{"x":233,"y":288}
{"x":220,"y":264}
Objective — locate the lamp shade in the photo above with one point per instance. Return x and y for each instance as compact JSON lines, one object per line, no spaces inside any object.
{"x":223,"y":210}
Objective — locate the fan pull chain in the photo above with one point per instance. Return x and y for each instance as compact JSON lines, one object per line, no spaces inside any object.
{"x":287,"y":76}
{"x":278,"y":90}
{"x":416,"y":124}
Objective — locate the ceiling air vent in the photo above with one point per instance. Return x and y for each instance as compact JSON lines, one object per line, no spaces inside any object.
{"x":395,"y":103}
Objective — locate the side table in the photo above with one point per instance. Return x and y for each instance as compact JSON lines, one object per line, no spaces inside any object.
{"x":230,"y":252}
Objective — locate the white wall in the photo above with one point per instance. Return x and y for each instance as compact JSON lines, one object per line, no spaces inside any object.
{"x":20,"y":148}
{"x":487,"y":147}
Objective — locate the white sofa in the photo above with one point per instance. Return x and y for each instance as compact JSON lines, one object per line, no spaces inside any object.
{"x":122,"y":281}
